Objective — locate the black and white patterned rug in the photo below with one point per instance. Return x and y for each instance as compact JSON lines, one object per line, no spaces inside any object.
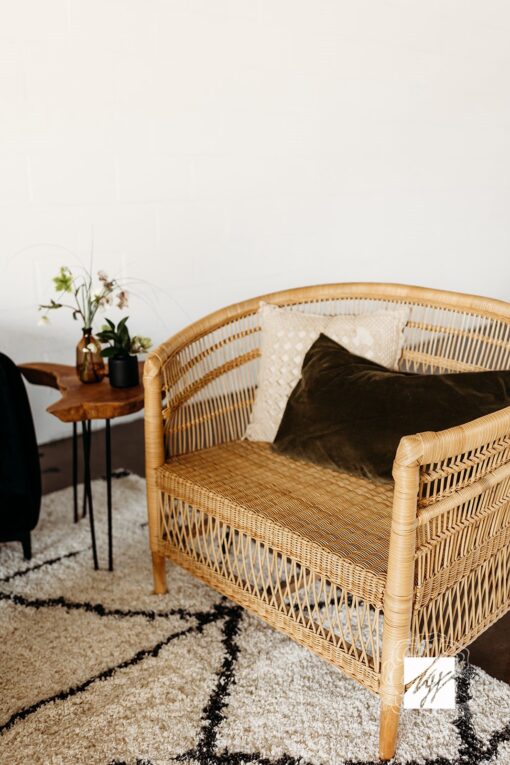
{"x":96,"y":670}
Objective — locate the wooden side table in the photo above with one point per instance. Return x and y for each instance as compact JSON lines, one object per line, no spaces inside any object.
{"x":83,"y":403}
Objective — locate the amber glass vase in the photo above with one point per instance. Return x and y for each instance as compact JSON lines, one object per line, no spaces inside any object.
{"x":89,"y":362}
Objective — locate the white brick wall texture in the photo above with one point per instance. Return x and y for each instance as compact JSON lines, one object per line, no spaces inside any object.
{"x":224,"y":149}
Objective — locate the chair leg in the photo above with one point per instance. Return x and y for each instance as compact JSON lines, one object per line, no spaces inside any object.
{"x":27,"y":546}
{"x":388,"y":729}
{"x":398,"y":603}
{"x":159,"y":573}
{"x":392,"y":694}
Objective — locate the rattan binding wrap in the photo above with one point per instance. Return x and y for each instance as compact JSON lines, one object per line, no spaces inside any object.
{"x":361,"y":573}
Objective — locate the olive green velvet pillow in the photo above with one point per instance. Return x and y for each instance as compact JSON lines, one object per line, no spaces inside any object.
{"x":349,"y":413}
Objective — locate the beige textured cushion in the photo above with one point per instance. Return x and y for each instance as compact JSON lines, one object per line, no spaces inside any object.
{"x":286,"y":337}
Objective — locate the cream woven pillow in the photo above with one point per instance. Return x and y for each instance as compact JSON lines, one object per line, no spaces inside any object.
{"x":286,"y":337}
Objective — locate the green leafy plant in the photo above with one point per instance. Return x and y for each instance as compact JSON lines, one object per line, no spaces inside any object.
{"x":87,"y":294}
{"x":119,"y":341}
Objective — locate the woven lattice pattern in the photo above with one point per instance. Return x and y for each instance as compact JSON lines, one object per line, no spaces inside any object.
{"x":462,"y":559}
{"x":339,"y":627}
{"x":286,"y":336}
{"x":210,"y":388}
{"x":210,"y":383}
{"x":296,"y":548}
{"x":360,"y":572}
{"x":291,"y":503}
{"x":440,"y":480}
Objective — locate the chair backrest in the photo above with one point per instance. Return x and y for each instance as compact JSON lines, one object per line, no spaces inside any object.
{"x":210,"y":368}
{"x":20,"y":475}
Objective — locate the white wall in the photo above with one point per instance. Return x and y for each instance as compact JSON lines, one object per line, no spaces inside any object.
{"x":223,"y":148}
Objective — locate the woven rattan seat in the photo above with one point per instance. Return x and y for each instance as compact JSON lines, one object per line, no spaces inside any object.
{"x":362,"y":573}
{"x":285,"y":501}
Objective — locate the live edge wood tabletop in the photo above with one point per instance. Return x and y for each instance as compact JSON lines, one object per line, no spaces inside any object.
{"x":80,"y":401}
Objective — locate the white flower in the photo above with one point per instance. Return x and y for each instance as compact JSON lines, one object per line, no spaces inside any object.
{"x":140,"y":344}
{"x":43,"y":321}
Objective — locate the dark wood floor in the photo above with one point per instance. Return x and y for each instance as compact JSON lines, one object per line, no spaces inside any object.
{"x":491,"y":651}
{"x":127,"y":452}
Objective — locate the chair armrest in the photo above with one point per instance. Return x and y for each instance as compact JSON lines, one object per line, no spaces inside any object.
{"x":462,"y":530}
{"x":449,"y":543}
{"x":457,"y":464}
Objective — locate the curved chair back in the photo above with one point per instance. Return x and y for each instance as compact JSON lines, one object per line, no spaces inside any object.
{"x":210,"y":368}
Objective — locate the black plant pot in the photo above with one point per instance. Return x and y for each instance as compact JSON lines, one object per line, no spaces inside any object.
{"x":123,"y":371}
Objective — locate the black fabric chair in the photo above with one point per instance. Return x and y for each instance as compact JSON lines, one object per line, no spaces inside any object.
{"x":20,"y":472}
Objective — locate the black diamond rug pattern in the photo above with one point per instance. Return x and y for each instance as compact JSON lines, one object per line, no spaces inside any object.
{"x":220,"y":668}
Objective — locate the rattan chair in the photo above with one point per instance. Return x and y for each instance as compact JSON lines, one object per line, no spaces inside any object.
{"x":360,"y":573}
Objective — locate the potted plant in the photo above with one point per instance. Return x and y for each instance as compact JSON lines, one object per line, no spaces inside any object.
{"x":121,"y":353}
{"x":86,"y":297}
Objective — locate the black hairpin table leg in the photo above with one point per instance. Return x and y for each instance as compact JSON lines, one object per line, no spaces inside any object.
{"x":87,"y":488}
{"x":108,"y":450}
{"x":84,"y":426}
{"x":75,"y":473}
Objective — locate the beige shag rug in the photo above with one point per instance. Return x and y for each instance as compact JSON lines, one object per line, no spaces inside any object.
{"x":95,"y":670}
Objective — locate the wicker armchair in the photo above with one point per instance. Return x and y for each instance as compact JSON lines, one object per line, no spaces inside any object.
{"x":361,"y":574}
